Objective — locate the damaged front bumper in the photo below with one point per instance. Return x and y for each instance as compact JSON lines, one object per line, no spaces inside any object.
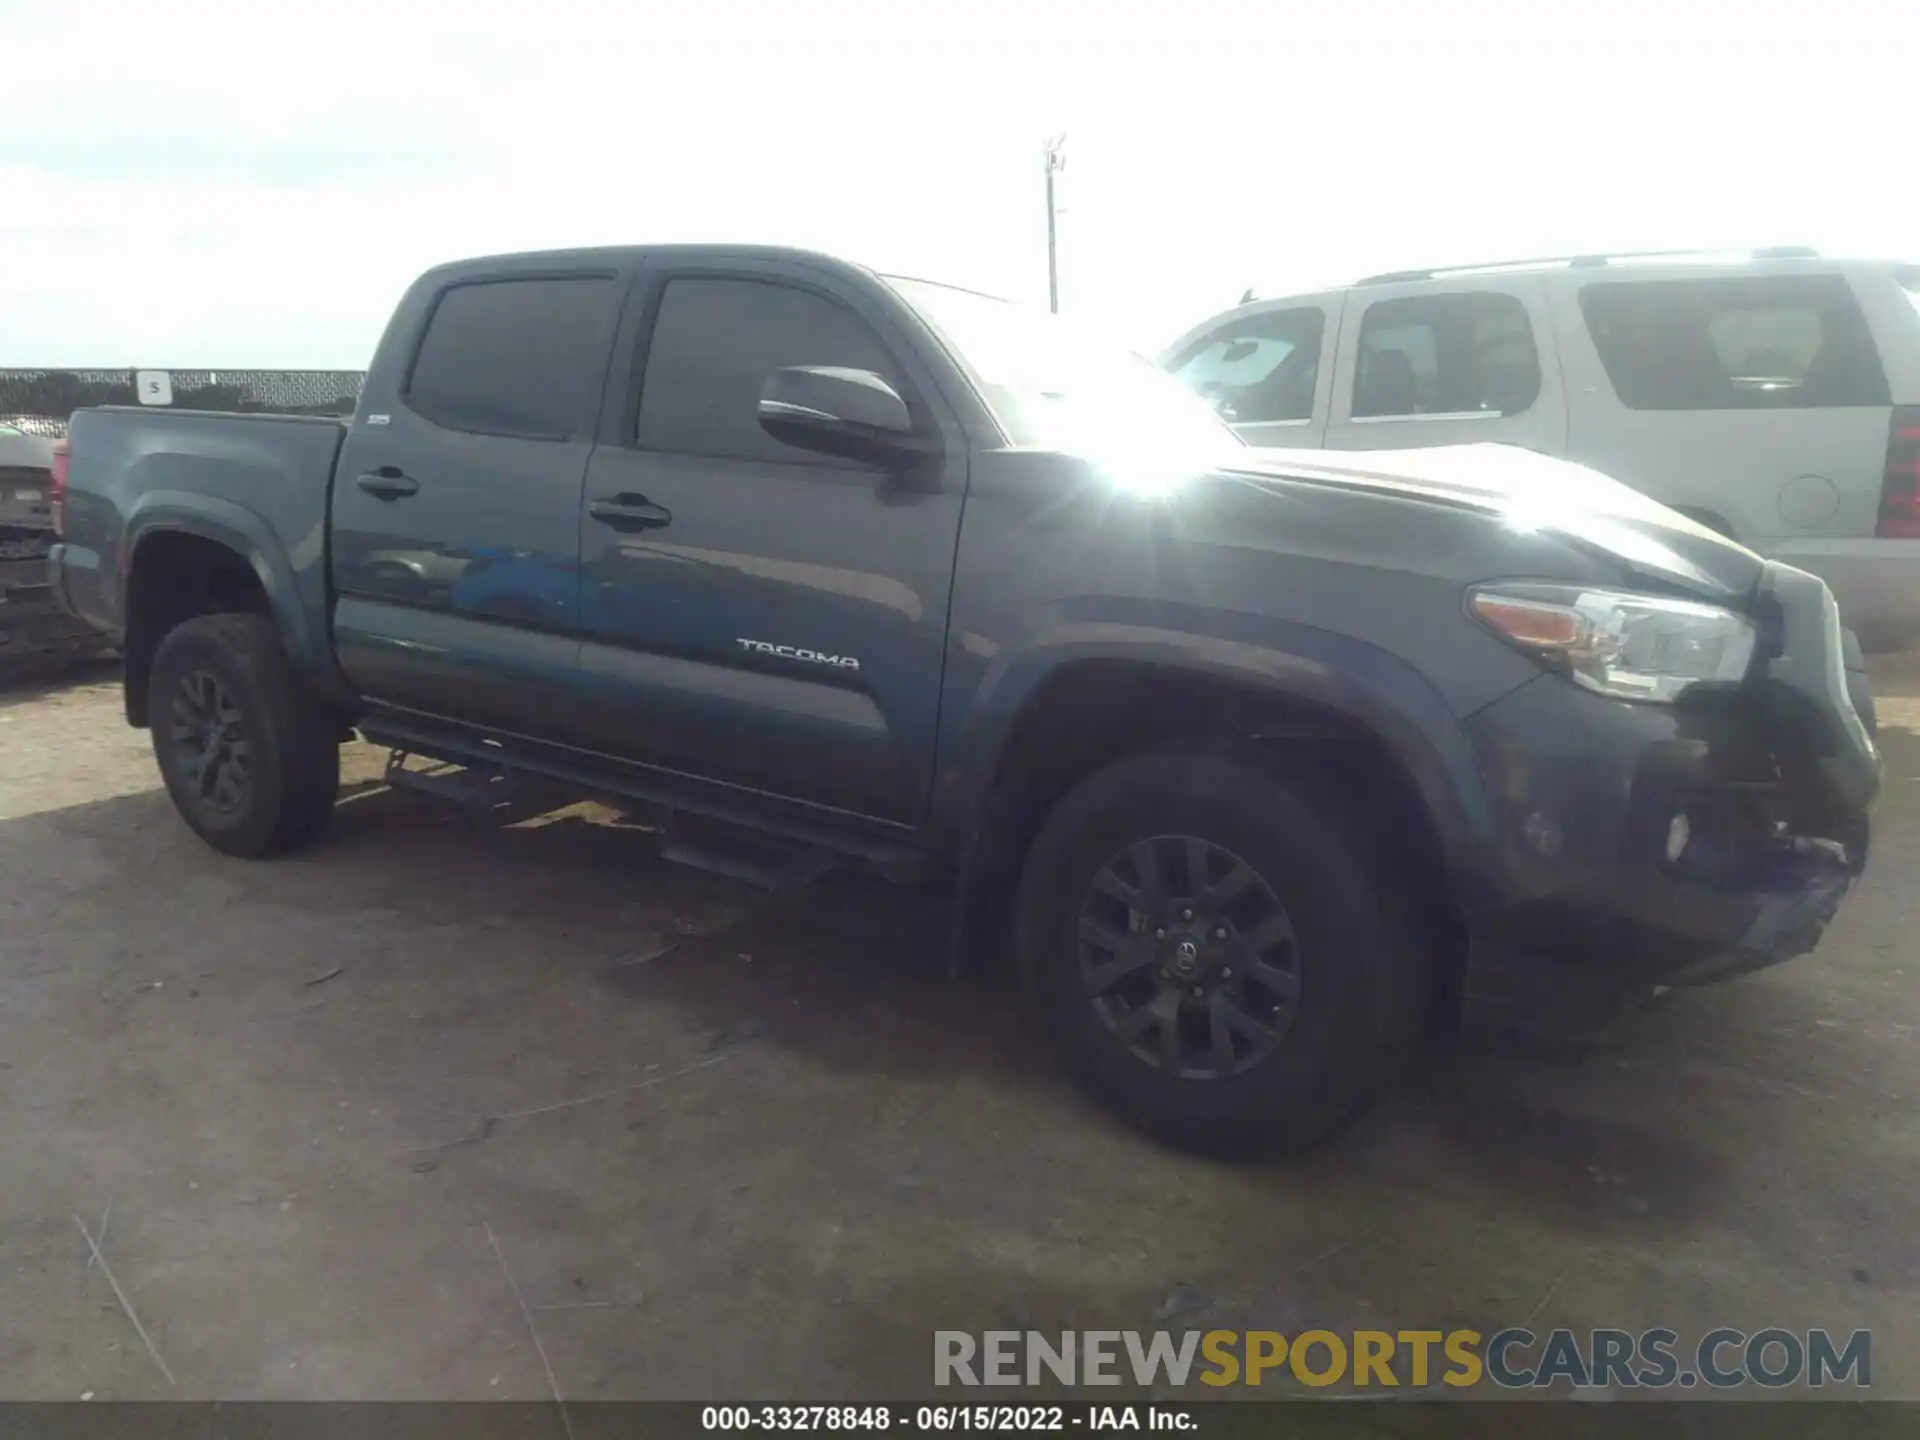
{"x":1646,"y":845}
{"x":1799,"y":886}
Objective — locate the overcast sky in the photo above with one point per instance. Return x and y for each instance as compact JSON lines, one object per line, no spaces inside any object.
{"x":196,"y":184}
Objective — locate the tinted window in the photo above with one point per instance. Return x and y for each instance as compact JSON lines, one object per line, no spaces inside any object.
{"x":714,"y":344}
{"x":1446,"y":355}
{"x":1258,"y":367}
{"x":514,"y":357}
{"x":1782,"y":342}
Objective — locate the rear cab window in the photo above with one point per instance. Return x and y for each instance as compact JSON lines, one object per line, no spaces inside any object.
{"x":520,"y":357}
{"x":1776,"y":342}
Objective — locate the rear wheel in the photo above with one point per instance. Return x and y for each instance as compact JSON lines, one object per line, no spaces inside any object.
{"x":249,"y":756}
{"x":1215,"y":957}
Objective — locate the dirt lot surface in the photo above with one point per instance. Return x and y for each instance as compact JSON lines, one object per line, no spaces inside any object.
{"x":728,"y":1147}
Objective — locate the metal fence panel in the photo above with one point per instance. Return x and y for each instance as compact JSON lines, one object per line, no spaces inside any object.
{"x":41,"y":401}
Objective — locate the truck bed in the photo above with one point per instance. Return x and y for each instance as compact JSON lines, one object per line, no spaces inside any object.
{"x":264,"y":478}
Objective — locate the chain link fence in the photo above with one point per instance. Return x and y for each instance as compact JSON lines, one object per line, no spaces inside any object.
{"x":40,"y":402}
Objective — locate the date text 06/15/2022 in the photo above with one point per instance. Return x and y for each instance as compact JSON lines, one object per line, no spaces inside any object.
{"x":942,"y":1419}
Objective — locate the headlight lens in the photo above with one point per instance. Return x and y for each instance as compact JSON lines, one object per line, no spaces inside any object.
{"x":1635,"y":647}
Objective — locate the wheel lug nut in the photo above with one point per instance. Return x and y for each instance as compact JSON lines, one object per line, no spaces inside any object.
{"x":1198,"y":992}
{"x":1220,"y":933}
{"x":1187,"y":913}
{"x":1225,"y":971}
{"x":1159,"y":934}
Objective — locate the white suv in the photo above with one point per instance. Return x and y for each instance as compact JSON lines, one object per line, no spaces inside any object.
{"x":1774,"y":396}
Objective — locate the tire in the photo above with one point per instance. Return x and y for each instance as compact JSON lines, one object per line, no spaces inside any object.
{"x":266,"y":782}
{"x":1359,"y":973}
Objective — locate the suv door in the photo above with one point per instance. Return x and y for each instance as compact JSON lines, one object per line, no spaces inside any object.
{"x":1424,"y":364}
{"x":757,"y":614}
{"x":456,"y":503}
{"x":1267,"y":368}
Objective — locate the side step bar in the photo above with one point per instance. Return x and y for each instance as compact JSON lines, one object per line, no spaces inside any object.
{"x":489,"y":777}
{"x":473,"y":788}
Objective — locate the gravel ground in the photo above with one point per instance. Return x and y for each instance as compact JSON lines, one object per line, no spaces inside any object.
{"x":729,"y":1147}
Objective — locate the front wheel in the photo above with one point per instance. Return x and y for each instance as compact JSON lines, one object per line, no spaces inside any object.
{"x":249,"y":756}
{"x":1215,"y":957}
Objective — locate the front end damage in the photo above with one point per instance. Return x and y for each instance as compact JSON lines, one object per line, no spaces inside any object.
{"x":1639,"y":846}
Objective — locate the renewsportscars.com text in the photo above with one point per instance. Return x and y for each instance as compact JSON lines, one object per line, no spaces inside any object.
{"x":1514,"y":1358}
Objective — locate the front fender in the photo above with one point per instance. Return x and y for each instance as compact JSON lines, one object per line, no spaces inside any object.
{"x":298,"y":608}
{"x":1359,"y":681}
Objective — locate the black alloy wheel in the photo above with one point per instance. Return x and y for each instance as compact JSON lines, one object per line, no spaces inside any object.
{"x":250,"y":755}
{"x":1221,"y":948}
{"x":1188,"y":957}
{"x":210,"y":739}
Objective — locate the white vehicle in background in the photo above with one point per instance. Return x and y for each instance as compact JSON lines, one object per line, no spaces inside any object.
{"x":1774,"y":396}
{"x":32,"y":625}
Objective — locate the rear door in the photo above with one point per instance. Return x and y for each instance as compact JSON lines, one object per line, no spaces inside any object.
{"x":755,"y":614}
{"x":1448,"y":362}
{"x":1267,"y":369}
{"x":1756,"y":402}
{"x":456,"y":506}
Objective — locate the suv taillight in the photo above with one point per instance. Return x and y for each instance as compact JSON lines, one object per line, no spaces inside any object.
{"x":1900,"y":490}
{"x":57,"y":488}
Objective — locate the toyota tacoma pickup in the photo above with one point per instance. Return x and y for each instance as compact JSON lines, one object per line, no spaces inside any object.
{"x":1267,"y":754}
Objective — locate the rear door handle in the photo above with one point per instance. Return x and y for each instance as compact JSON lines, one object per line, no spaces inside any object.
{"x":630,"y":512}
{"x":387,"y":483}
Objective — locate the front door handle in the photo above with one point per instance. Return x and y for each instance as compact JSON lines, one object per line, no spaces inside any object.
{"x":630,"y":512}
{"x":387,"y":483}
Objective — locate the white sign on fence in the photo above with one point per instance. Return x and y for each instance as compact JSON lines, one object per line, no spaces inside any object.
{"x":154,"y":387}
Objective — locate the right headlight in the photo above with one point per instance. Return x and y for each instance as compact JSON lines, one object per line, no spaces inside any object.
{"x":1633,"y":647}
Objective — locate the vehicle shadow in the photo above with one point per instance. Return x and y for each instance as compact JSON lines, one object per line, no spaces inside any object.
{"x":842,"y":967}
{"x":25,"y":681}
{"x":847,"y":975}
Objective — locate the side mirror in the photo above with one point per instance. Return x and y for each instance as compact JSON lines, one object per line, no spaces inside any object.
{"x":837,"y":411}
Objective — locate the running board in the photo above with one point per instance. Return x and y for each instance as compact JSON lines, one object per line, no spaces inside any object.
{"x":489,"y":778}
{"x":772,"y":866}
{"x":474,"y":788}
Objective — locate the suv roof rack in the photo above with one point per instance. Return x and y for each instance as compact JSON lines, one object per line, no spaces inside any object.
{"x":1592,"y":262}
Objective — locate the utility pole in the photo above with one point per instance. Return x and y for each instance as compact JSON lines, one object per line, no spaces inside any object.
{"x":1056,"y":155}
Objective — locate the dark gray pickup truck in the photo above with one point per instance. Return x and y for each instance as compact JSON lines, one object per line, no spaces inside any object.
{"x":1273,"y":755}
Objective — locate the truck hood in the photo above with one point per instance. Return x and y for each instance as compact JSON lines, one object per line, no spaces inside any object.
{"x":1527,"y":491}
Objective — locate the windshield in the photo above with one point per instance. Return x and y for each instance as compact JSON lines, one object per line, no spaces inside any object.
{"x":1048,"y":385}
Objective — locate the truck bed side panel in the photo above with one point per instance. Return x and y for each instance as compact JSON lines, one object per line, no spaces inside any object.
{"x":255,"y":483}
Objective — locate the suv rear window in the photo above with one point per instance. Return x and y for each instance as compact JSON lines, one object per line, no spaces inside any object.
{"x":1460,"y":354}
{"x":514,"y":357}
{"x":1778,"y":342}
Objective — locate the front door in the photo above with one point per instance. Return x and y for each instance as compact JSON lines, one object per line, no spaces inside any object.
{"x":756,"y":614}
{"x":456,"y":506}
